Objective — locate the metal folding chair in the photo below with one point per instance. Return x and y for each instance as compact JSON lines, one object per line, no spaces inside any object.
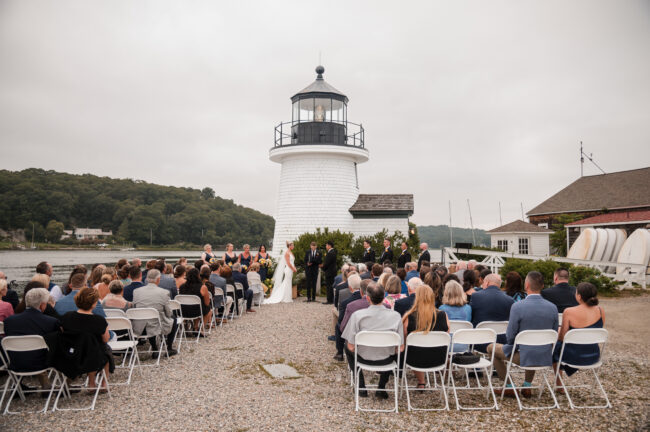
{"x":192,"y":300}
{"x":432,"y":339}
{"x":128,"y":348}
{"x":149,"y":314}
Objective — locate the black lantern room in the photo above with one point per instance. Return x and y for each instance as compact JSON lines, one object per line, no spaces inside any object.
{"x":319,"y":116}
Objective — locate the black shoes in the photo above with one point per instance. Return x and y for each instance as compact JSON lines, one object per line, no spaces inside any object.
{"x":363,"y":393}
{"x":382,"y":395}
{"x":172,"y":352}
{"x":338,"y":357}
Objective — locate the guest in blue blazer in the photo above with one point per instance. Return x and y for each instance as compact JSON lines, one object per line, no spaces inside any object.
{"x":532,"y":313}
{"x":404,"y":305}
{"x":491,"y":304}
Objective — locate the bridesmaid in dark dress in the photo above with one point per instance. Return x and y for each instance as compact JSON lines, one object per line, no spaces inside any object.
{"x":586,"y":315}
{"x":245,"y":258}
{"x":425,"y":317}
{"x":263,"y":259}
{"x":229,"y":257}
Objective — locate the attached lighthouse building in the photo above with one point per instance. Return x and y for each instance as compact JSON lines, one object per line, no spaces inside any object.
{"x":319,"y":150}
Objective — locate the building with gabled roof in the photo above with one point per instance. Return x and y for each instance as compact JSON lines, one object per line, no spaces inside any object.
{"x":519,"y":237}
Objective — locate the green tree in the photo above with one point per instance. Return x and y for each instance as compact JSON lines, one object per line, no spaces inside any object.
{"x":558,"y":238}
{"x":53,"y":231}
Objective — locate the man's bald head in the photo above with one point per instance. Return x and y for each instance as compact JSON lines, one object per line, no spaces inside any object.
{"x":461,"y":265}
{"x":493,"y":279}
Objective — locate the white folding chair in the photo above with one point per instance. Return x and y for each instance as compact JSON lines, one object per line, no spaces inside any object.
{"x":586,"y":336}
{"x":241,"y":302}
{"x":459,"y":325}
{"x":192,"y":300}
{"x":230,"y":289}
{"x":376,"y":339}
{"x":258,"y":294}
{"x":2,"y":328}
{"x":25,"y":344}
{"x":128,"y":348}
{"x":114,"y":313}
{"x":149,"y":314}
{"x":432,"y":339}
{"x":531,"y":338}
{"x":499,"y":327}
{"x":474,"y":337}
{"x":559,"y":318}
{"x":175,"y":306}
{"x":219,"y":297}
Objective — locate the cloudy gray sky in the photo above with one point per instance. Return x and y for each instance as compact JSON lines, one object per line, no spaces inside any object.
{"x":485,"y":100}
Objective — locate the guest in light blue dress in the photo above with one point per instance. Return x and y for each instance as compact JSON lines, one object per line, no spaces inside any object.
{"x":454,"y":304}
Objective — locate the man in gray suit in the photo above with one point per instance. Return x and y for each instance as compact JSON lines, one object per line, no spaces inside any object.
{"x":532,"y":313}
{"x":152,"y":296}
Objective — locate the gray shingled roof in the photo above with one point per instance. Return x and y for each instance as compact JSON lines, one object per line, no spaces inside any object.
{"x":619,"y":190}
{"x":383,"y":204}
{"x":519,"y":226}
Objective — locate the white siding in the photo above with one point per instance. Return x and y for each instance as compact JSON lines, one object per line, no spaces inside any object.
{"x":538,"y":243}
{"x":368,"y":227}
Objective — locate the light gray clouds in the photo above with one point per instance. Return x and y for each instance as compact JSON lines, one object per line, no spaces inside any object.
{"x":482,"y":100}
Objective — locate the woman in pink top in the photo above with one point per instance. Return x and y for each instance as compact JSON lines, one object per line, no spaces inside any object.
{"x":393,"y":288}
{"x":114,"y":299}
{"x":6,"y":310}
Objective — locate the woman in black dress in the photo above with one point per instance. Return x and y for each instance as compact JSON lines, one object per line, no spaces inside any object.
{"x":424,"y":317}
{"x":194,"y":286}
{"x":84,"y":321}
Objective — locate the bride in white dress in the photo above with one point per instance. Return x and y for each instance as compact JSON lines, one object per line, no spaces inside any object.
{"x":283,"y":278}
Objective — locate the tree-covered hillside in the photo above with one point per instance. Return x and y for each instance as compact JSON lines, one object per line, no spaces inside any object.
{"x":438,"y":235}
{"x":133,"y":209}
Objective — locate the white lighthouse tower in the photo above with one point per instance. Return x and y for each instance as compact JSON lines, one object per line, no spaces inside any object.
{"x":319,"y":150}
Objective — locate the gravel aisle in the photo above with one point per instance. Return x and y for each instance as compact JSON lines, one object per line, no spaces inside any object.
{"x":219,"y":385}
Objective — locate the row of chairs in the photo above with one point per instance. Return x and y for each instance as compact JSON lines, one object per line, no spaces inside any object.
{"x":472,"y":337}
{"x":126,"y":345}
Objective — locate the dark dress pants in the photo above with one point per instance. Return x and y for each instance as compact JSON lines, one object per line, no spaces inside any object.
{"x":329,"y":281}
{"x":312,"y":277}
{"x":383,"y":376}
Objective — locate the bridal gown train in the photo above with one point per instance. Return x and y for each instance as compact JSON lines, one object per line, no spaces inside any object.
{"x":282,"y":288}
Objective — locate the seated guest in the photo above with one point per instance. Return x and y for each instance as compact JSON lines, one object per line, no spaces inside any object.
{"x":412,"y":271}
{"x":454,"y":304}
{"x":404,"y":288}
{"x":586,"y":315}
{"x":123,"y":275}
{"x":220,"y":282}
{"x":514,"y":286}
{"x":67,"y":303}
{"x":450,"y":276}
{"x":341,"y":289}
{"x":480,"y":274}
{"x":83,"y":320}
{"x":367,"y":273}
{"x":115,"y":298}
{"x":102,"y":286}
{"x":6,"y":310}
{"x":46,"y":269}
{"x":49,"y":309}
{"x":166,"y":278}
{"x":561,"y":294}
{"x":152,"y":296}
{"x":363,"y":269}
{"x":194,"y":286}
{"x":180,"y":274}
{"x":393,"y":290}
{"x":354,"y":282}
{"x":12,"y":296}
{"x":442,"y":272}
{"x":432,"y":280}
{"x":532,"y":313}
{"x":240,"y":277}
{"x":135,"y":274}
{"x":151,"y":264}
{"x":424,"y":317}
{"x":254,"y":280}
{"x":491,"y":304}
{"x":339,"y":277}
{"x":356,"y":305}
{"x":424,"y":270}
{"x":461,"y":266}
{"x":404,"y":305}
{"x":470,"y":283}
{"x":96,"y":276}
{"x":384,"y":277}
{"x":376,"y":271}
{"x":181,"y":262}
{"x":374,"y":318}
{"x":32,"y":322}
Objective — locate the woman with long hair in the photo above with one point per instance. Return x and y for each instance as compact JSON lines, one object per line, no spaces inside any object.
{"x":194,"y":286}
{"x":245,"y":258}
{"x":424,"y":317}
{"x":432,"y":280}
{"x":514,"y":286}
{"x":230,"y":257}
{"x":470,"y":282}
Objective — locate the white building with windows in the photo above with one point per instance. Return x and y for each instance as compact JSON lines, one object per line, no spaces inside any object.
{"x":319,"y":150}
{"x":522,"y":238}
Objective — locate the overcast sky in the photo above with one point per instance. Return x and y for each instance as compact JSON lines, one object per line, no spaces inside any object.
{"x":479,"y":100}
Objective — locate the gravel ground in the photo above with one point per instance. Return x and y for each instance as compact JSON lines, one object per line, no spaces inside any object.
{"x":219,"y":385}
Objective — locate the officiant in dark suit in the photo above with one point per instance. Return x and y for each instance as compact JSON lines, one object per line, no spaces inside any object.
{"x":424,"y":256}
{"x":313,"y":259}
{"x":329,"y":267}
{"x":387,"y":254}
{"x":368,"y":253}
{"x":404,"y":257}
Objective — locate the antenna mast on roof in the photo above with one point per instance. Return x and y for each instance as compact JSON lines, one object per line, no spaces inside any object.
{"x":590,"y":157}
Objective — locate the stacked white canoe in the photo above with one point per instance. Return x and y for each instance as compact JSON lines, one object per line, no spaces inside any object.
{"x":607,"y":244}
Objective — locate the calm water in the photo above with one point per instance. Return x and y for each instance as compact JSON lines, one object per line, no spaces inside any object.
{"x":21,"y":265}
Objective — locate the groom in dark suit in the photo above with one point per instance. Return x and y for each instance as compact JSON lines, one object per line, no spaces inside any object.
{"x":312,"y":260}
{"x":329,"y":267}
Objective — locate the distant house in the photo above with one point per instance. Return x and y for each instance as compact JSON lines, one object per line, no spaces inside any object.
{"x":86,"y":233}
{"x":618,"y":192}
{"x":372,"y":213}
{"x":629,"y":221}
{"x":522,"y":238}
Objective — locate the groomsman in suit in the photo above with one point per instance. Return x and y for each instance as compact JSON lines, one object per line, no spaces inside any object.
{"x":404,"y":257}
{"x":312,"y":260}
{"x":368,"y":252}
{"x":387,"y":255}
{"x":424,"y":256}
{"x":329,"y":267}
